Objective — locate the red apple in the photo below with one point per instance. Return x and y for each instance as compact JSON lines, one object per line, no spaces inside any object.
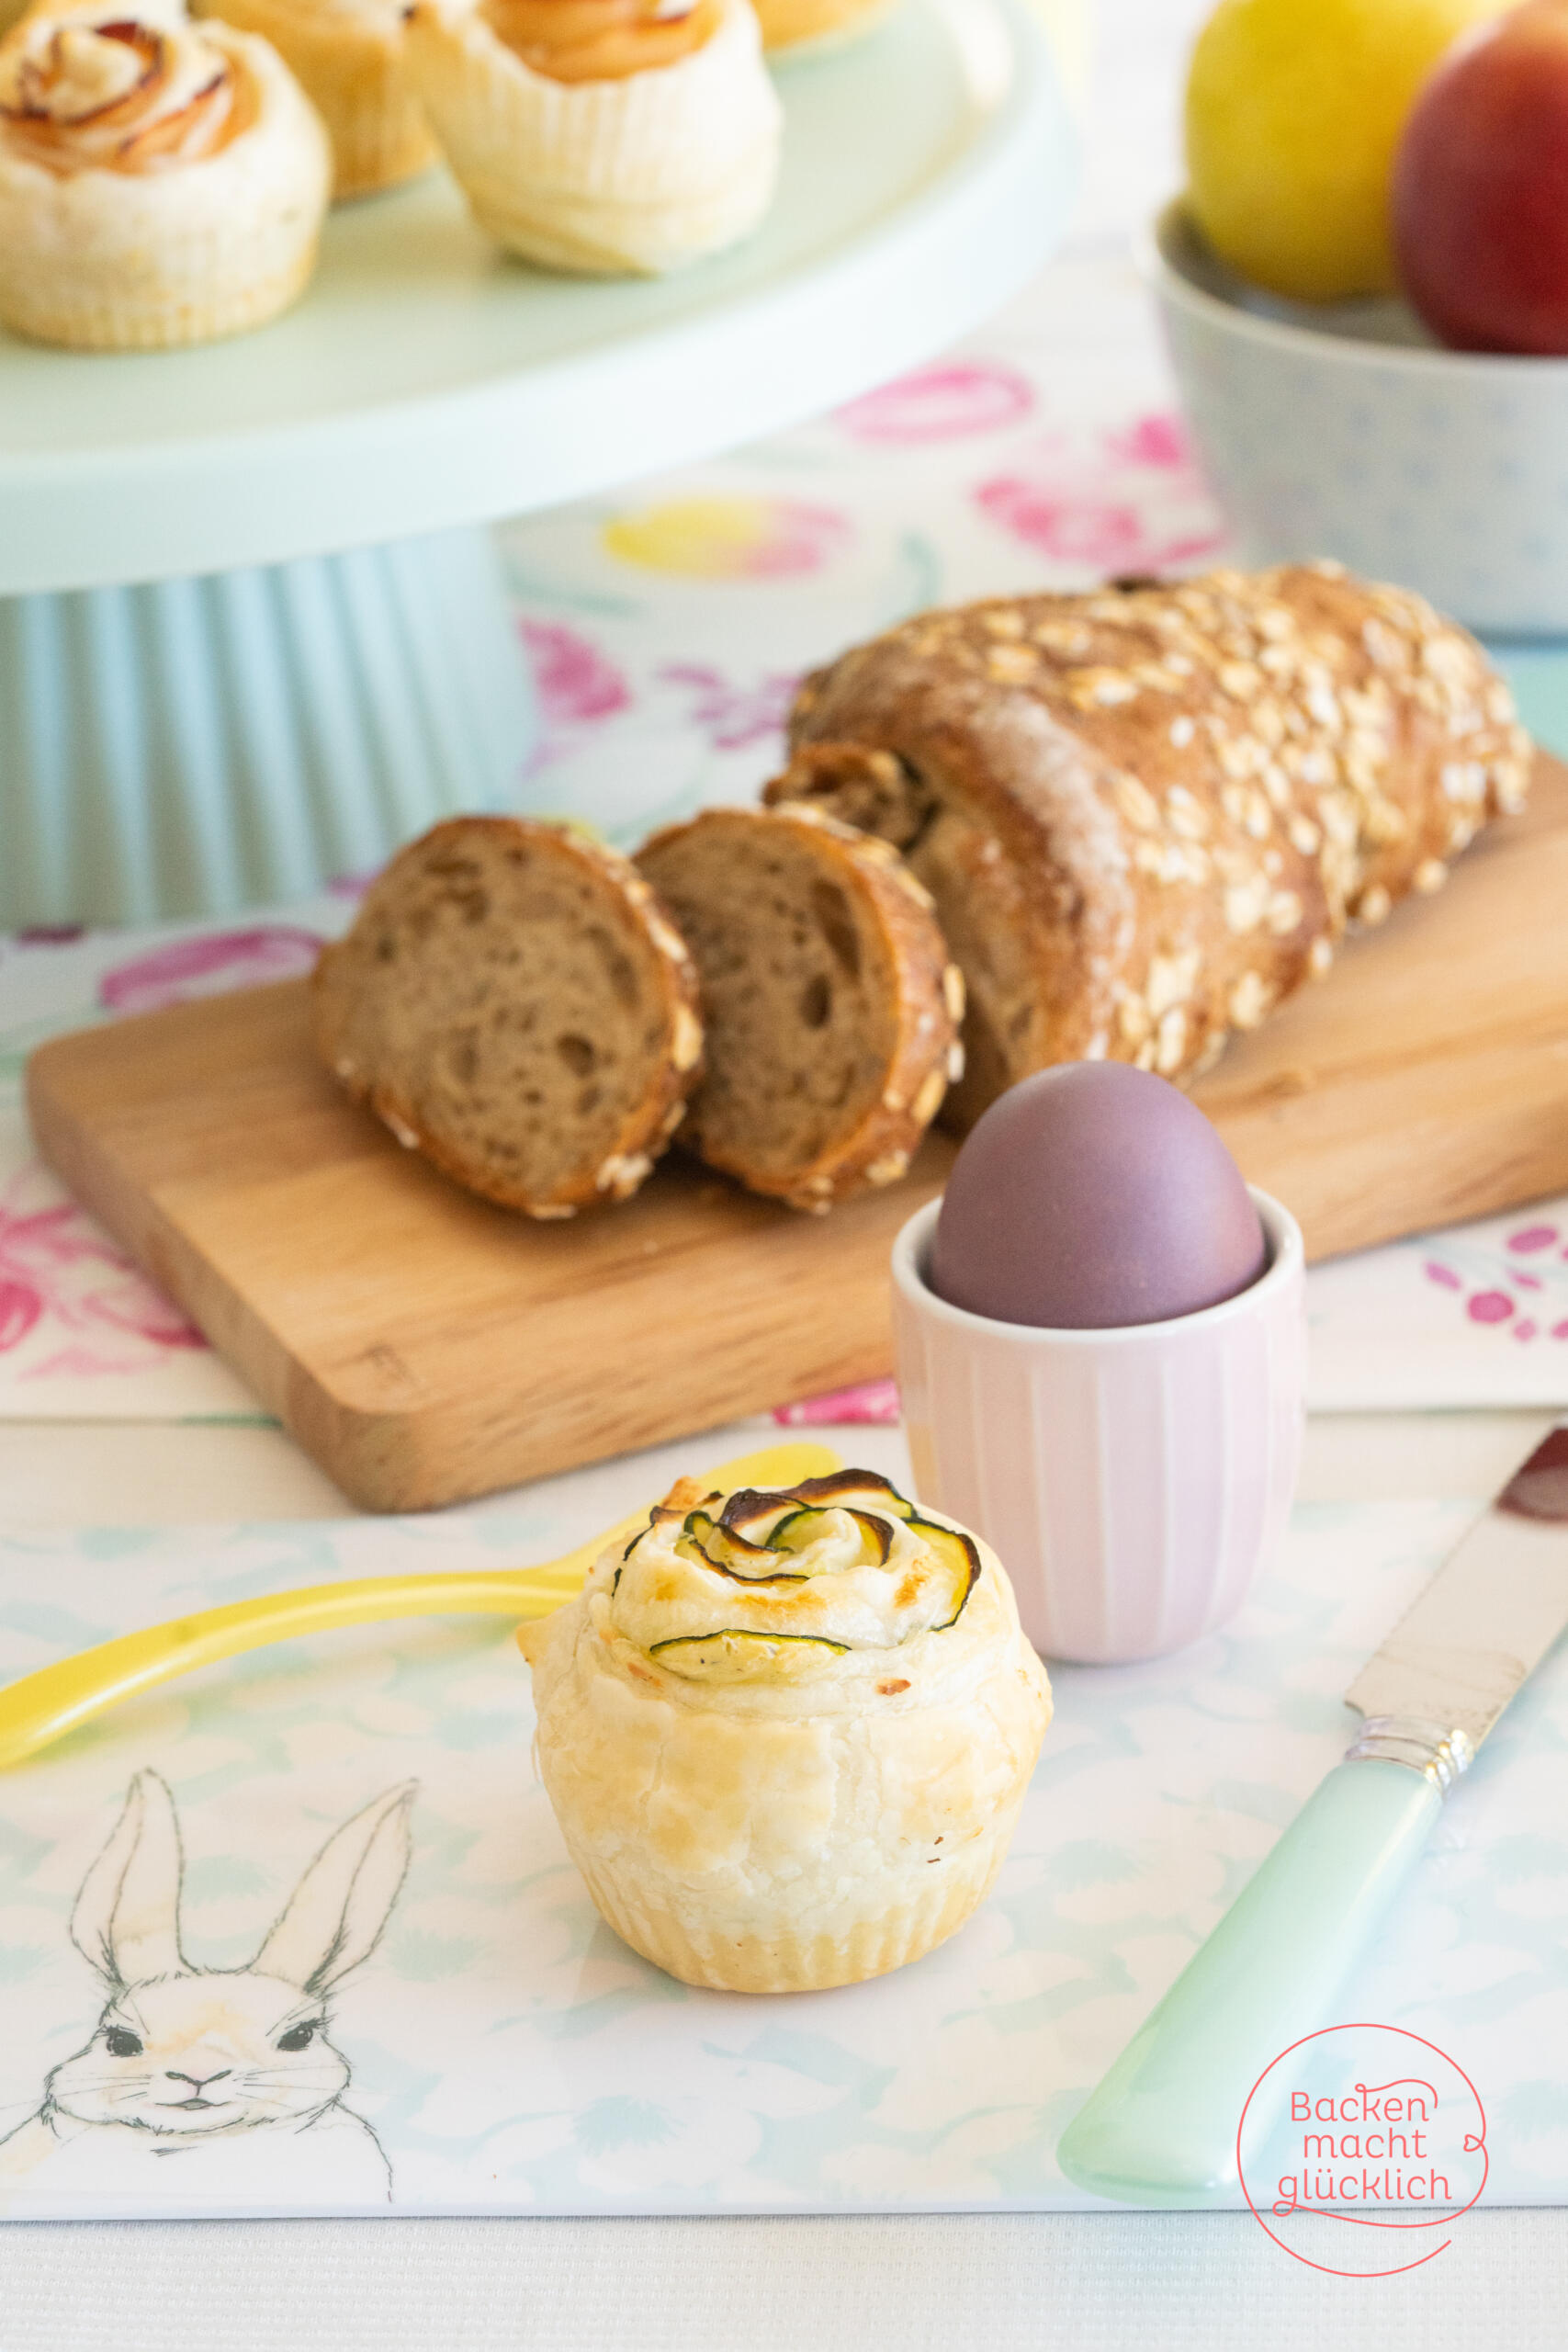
{"x":1480,"y":189}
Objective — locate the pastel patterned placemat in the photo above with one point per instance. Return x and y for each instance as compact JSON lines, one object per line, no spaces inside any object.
{"x":490,"y":2046}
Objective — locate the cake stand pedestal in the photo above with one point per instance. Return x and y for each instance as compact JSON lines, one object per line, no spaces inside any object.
{"x":252,"y":632}
{"x":202,"y":743}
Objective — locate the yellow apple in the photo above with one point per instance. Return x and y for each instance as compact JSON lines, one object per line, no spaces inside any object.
{"x":1294,"y":109}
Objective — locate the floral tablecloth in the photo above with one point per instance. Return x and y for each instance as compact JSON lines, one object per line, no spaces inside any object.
{"x":668,"y":628}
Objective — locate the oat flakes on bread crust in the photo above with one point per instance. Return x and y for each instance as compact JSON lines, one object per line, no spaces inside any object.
{"x":777,"y":1782}
{"x":513,"y":1002}
{"x":831,"y":1005}
{"x":1147,"y":814}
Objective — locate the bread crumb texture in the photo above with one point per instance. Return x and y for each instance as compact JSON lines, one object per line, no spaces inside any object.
{"x":512,"y":1001}
{"x":827,"y":1001}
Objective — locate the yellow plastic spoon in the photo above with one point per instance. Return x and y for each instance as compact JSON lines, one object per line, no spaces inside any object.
{"x":43,"y":1707}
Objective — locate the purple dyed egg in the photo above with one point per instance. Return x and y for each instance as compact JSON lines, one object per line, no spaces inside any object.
{"x":1092,"y":1196}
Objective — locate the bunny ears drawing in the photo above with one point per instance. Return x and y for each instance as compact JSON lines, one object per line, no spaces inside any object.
{"x":217,"y":2086}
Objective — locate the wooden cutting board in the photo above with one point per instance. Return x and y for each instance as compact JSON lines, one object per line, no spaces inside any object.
{"x":423,"y":1346}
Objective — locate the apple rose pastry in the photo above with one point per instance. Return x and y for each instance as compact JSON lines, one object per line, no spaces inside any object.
{"x":787,"y":1740}
{"x":159,"y":185}
{"x":348,"y":57}
{"x":608,"y":136}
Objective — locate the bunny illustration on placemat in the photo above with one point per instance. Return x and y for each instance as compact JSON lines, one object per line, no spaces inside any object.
{"x":214,"y":2085}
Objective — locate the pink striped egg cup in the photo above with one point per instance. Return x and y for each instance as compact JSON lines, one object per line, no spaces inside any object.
{"x":1133,"y":1481}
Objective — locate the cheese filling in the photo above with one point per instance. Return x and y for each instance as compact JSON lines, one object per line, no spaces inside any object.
{"x":774,"y":1586}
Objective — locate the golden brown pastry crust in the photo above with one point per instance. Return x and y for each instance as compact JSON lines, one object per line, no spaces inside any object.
{"x":1147,"y":814}
{"x":925,"y":1007}
{"x":349,"y":62}
{"x":154,"y":124}
{"x":772,"y":1836}
{"x":354,"y":1038}
{"x":599,"y":40}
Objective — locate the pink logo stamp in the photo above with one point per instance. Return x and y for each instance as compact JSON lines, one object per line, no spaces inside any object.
{"x":1361,"y":2147}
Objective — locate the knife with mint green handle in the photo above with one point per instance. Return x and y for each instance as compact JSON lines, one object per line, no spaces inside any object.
{"x":1161,"y":2127}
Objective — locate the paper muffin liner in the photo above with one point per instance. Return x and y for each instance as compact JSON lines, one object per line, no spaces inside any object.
{"x":351,"y":65}
{"x":45,"y":312}
{"x":641,"y":174}
{"x":607,"y":239}
{"x":106,"y":261}
{"x":666,"y":1926}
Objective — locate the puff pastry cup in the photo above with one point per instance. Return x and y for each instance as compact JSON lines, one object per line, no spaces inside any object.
{"x":786,"y":1739}
{"x":160,"y":184}
{"x":348,"y":57}
{"x":601,"y":136}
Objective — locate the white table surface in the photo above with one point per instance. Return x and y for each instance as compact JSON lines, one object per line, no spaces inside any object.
{"x":1093,"y":2283}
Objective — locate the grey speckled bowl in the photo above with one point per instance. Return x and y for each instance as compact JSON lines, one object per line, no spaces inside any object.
{"x":1346,"y":432}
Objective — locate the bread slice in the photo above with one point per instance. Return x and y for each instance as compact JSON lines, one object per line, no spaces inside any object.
{"x":514,"y":1002}
{"x":830,"y":1006}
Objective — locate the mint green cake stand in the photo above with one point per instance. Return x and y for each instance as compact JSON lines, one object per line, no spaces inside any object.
{"x":252,"y":632}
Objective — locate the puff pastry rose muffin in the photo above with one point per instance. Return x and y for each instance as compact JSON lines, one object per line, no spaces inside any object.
{"x":605,"y":137}
{"x":347,"y":55}
{"x":786,"y":1739}
{"x":160,"y":184}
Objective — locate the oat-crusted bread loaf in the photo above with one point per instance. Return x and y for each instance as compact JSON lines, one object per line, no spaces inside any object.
{"x":514,"y":1002}
{"x":830,"y":1007}
{"x":1147,"y":814}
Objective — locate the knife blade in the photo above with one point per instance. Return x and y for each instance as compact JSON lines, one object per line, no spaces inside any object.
{"x":1160,"y":2128}
{"x":1482,"y":1625}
